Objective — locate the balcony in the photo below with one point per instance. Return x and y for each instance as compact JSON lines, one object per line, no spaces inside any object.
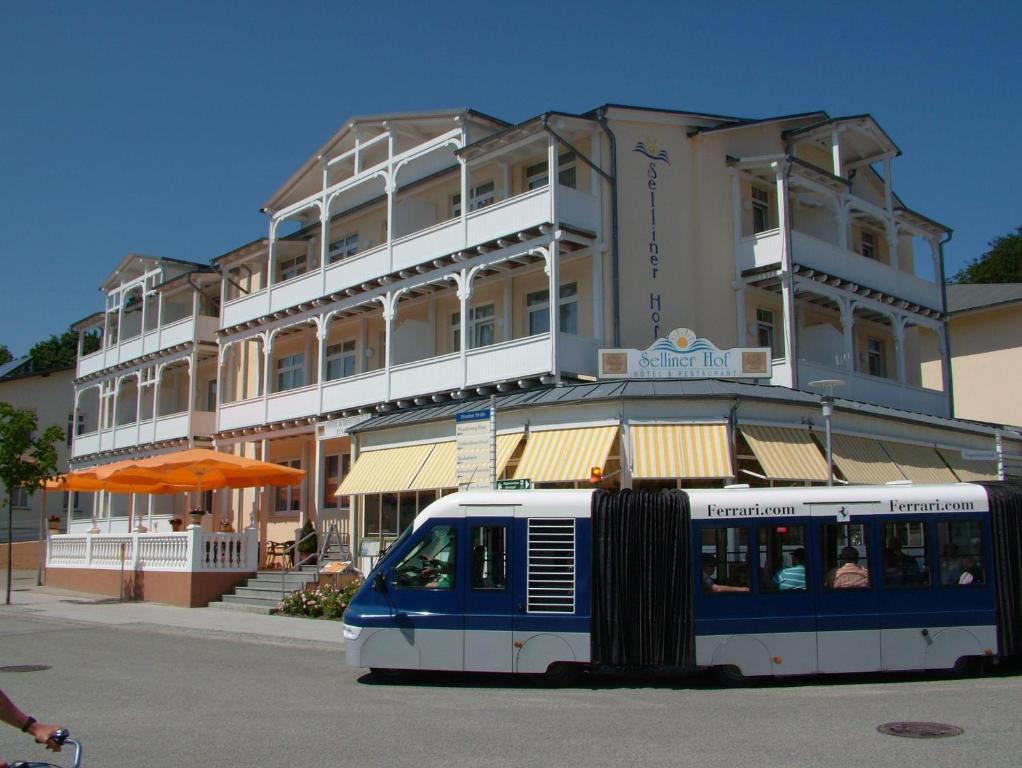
{"x":126,"y":436}
{"x":764,"y":249}
{"x":190,"y":329}
{"x":509,"y":360}
{"x":504,"y":218}
{"x":872,"y":389}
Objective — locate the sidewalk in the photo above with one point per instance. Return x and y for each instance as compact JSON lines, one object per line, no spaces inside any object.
{"x":29,"y":600}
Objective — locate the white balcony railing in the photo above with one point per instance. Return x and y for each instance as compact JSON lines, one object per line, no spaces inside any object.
{"x":190,"y":329}
{"x":504,"y":218}
{"x":873,"y":389}
{"x":171,"y":427}
{"x":191,"y":551}
{"x":764,"y":249}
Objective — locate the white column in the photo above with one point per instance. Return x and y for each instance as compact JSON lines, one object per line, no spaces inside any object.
{"x":848,"y":334}
{"x":193,"y":374}
{"x":891,"y":232}
{"x":145,"y":303}
{"x":507,"y":321}
{"x":464,"y":201}
{"x":316,"y":475}
{"x":551,"y":169}
{"x":553,"y":271}
{"x":389,"y":302}
{"x":138,"y":407}
{"x":391,"y":192}
{"x":324,"y":250}
{"x":787,"y":281}
{"x":322,"y":324}
{"x":741,"y":314}
{"x":271,"y":253}
{"x":599,"y":249}
{"x":888,"y":188}
{"x":464,"y":298}
{"x":898,"y":324}
{"x":267,"y":351}
{"x":835,"y":140}
{"x":841,"y":216}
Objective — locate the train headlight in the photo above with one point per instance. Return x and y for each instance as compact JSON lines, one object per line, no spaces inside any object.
{"x":351,"y":633}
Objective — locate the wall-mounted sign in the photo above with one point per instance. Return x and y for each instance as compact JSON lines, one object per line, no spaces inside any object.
{"x":520,"y":484}
{"x":328,"y":430}
{"x":682,"y":355}
{"x":474,"y":440}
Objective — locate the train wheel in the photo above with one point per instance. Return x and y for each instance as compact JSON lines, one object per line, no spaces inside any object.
{"x":730,"y":676}
{"x":558,"y":675}
{"x":386,"y":675}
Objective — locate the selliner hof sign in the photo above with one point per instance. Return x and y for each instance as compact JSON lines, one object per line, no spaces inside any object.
{"x":682,"y":355}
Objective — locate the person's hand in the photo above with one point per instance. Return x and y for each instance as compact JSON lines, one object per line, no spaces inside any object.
{"x":43,"y":734}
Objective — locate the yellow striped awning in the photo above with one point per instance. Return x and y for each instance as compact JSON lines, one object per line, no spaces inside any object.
{"x":385,"y":470}
{"x":564,"y":455}
{"x":680,"y":450}
{"x":786,"y":453}
{"x":440,"y":469}
{"x":862,"y":460}
{"x":968,"y":470}
{"x":919,"y":463}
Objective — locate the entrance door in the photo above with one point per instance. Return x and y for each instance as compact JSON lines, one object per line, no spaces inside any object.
{"x":488,"y":589}
{"x":848,"y":620}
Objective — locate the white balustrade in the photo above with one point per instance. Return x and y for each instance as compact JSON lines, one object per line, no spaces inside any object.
{"x":190,"y":551}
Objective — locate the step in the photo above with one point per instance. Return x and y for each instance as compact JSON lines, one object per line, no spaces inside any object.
{"x":269,"y":604}
{"x":265,"y":610}
{"x":265,"y":593}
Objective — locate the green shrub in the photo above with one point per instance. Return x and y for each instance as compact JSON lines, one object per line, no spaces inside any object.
{"x":318,"y":602}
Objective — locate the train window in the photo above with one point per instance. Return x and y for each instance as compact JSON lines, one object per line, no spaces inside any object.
{"x":782,"y":558}
{"x":432,"y":562}
{"x":905,"y":555}
{"x":961,"y":553}
{"x":845,"y":556}
{"x":725,"y":560}
{"x":489,"y":557}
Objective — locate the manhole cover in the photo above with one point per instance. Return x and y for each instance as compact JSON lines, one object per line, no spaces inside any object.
{"x":26,"y":668}
{"x":920,"y":730}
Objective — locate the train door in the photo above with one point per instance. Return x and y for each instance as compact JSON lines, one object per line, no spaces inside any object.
{"x":426,"y":595}
{"x":488,"y":604}
{"x":848,"y":571}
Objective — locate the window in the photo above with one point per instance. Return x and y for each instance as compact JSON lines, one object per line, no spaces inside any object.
{"x":868,"y":244}
{"x":74,"y":428}
{"x":335,"y":469}
{"x":211,"y":395}
{"x":480,"y":329}
{"x":760,"y":210}
{"x":290,"y":372}
{"x":905,"y":555}
{"x":538,"y":306}
{"x":845,"y":556}
{"x":432,"y":563}
{"x":765,"y":329}
{"x":20,"y":498}
{"x":876,"y":357}
{"x":961,"y":553}
{"x":344,"y":248}
{"x":724,"y":557}
{"x":479,"y":196}
{"x":782,"y":558}
{"x":388,"y":514}
{"x":340,"y":360}
{"x":536,"y":175}
{"x":489,"y":557}
{"x":289,"y":498}
{"x":292,"y":267}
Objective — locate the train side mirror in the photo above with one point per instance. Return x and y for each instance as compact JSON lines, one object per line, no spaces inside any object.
{"x":379,"y":583}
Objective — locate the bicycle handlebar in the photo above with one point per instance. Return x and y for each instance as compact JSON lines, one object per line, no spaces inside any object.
{"x":61,"y":737}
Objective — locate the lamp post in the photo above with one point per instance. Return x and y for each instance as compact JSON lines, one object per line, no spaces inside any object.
{"x":827,"y":404}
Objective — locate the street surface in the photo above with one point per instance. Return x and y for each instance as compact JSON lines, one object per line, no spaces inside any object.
{"x":144,"y":695}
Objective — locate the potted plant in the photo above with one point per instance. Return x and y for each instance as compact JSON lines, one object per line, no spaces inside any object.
{"x":54,"y":524}
{"x":307,"y":545}
{"x":195,"y":516}
{"x":176,"y":523}
{"x":226,"y":526}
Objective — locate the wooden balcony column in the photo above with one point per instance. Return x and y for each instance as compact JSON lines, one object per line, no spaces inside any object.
{"x":787,"y":278}
{"x":847,"y":307}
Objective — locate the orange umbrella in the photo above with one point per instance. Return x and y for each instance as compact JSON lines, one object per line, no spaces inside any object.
{"x":200,"y":469}
{"x":87,"y":482}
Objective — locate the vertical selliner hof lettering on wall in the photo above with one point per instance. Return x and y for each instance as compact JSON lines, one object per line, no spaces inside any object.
{"x":650,"y":149}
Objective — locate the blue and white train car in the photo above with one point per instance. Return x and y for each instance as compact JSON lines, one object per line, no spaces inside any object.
{"x":748,"y":581}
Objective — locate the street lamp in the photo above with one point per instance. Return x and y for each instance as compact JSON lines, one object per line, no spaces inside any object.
{"x":827,"y":403}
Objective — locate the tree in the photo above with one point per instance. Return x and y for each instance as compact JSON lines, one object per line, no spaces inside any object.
{"x":60,"y":352}
{"x":5,"y":354}
{"x":1001,"y":264}
{"x":25,"y":462}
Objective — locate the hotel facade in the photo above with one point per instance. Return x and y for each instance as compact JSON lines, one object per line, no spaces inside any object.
{"x":421,"y":266}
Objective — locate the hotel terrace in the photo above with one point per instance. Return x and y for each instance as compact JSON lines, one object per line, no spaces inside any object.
{"x":422,"y":265}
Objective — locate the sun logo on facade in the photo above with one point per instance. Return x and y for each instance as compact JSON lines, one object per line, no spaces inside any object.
{"x":682,"y":338}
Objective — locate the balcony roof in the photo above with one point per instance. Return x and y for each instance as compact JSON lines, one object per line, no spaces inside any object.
{"x":135,"y":264}
{"x":965,"y":297}
{"x":344,"y":139}
{"x":863,"y":141}
{"x":815,"y":117}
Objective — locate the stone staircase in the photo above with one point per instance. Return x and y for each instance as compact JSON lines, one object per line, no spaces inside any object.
{"x":262,"y":594}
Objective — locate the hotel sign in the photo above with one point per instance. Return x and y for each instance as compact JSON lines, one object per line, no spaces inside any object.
{"x":682,"y":355}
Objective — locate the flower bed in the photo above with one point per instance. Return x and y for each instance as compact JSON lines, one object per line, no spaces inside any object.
{"x":323,"y":602}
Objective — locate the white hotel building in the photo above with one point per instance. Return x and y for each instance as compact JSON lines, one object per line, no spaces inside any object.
{"x":418,"y":264}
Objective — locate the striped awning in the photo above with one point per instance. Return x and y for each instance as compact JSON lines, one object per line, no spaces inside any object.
{"x":565,"y":455}
{"x":862,"y":460}
{"x":440,"y":469}
{"x":968,"y":470}
{"x":919,"y":463}
{"x":680,"y":450}
{"x":786,"y":453}
{"x":385,"y":470}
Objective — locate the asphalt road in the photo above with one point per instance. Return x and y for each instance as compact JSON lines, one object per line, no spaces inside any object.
{"x":141,"y":696}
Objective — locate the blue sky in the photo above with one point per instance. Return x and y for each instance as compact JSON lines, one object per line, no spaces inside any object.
{"x":161,"y":128}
